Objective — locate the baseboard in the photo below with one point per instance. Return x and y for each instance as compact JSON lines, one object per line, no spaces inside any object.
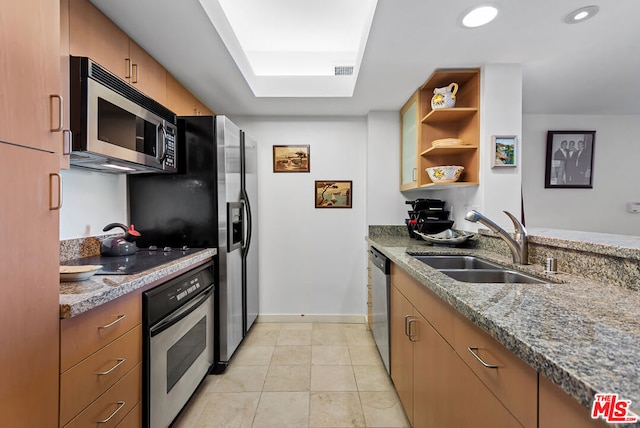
{"x":346,"y":319}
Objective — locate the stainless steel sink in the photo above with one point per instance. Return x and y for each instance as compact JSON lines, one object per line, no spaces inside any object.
{"x":475,"y":270}
{"x":501,"y":276}
{"x":456,"y":262}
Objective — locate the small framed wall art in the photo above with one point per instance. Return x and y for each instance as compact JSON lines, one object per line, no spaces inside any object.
{"x":569,"y":159}
{"x":503,"y":149}
{"x":333,"y":194}
{"x":291,"y":159}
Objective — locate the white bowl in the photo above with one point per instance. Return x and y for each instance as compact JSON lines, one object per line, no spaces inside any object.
{"x":445,"y":174}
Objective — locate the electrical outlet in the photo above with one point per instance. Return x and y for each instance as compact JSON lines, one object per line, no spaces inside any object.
{"x":633,"y":207}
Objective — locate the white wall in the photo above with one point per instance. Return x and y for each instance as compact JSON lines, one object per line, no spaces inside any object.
{"x":90,"y":201}
{"x":385,"y":203}
{"x":616,"y":175}
{"x":312,"y":261}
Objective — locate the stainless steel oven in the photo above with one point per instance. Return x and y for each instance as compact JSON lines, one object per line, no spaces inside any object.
{"x":178,"y":327}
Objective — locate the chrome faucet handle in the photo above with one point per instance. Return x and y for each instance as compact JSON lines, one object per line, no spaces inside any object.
{"x":516,"y":224}
{"x":521,"y":239}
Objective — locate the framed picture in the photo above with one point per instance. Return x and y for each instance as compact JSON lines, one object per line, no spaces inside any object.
{"x":333,"y":194}
{"x":569,"y":159}
{"x":503,"y":150}
{"x":291,"y":159}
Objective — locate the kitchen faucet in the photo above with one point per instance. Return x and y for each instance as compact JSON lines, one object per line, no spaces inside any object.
{"x":518,"y":246}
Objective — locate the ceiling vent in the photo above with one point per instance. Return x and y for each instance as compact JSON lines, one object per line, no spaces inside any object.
{"x":344,"y":70}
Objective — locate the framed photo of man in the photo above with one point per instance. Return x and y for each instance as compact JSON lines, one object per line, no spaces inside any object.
{"x":569,"y":159}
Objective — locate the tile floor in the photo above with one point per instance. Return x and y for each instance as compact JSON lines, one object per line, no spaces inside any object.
{"x":299,"y":375}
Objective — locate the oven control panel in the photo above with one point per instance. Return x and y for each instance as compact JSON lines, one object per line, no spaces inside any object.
{"x":187,"y":288}
{"x":160,"y":301}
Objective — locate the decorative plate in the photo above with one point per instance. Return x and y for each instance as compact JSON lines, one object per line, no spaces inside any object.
{"x":448,"y":237}
{"x":78,"y":273}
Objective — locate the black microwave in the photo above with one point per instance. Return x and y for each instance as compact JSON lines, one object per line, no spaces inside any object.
{"x":115,"y":127}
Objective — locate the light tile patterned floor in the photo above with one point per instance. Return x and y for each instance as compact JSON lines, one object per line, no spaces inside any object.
{"x":299,"y":375}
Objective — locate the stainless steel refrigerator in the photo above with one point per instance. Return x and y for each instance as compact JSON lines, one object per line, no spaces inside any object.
{"x":211,"y":202}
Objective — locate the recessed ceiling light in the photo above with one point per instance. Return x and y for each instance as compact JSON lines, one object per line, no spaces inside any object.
{"x":581,"y":15}
{"x":479,"y":16}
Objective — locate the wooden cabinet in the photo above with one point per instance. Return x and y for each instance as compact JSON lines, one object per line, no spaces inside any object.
{"x":29,"y":308}
{"x":400,"y":310}
{"x":100,"y":363}
{"x":511,"y":380}
{"x":65,"y":156}
{"x":31,"y":108}
{"x":133,"y":419}
{"x":460,"y":122}
{"x":182,"y":102}
{"x":559,"y":410}
{"x":31,"y":105}
{"x":93,"y":35}
{"x":147,"y":75}
{"x":435,"y":383}
{"x":113,"y":406}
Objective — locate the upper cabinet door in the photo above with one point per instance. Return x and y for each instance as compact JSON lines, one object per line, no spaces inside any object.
{"x":30,"y":100}
{"x":182,"y":102}
{"x":147,"y":75}
{"x":409,"y":144}
{"x":93,"y":35}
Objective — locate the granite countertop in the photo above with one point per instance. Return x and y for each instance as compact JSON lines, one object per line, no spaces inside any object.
{"x":79,"y":297}
{"x":581,"y":334}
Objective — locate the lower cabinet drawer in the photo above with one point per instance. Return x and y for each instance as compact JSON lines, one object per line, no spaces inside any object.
{"x":513,"y":381}
{"x":133,"y":418}
{"x":85,"y":381}
{"x":559,"y":410}
{"x":112,"y":406}
{"x":82,"y":335}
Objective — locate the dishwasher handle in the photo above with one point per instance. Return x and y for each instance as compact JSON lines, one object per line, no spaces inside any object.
{"x":380,"y":261}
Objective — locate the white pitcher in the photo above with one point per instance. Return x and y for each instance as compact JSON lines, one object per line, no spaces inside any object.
{"x":444,"y":97}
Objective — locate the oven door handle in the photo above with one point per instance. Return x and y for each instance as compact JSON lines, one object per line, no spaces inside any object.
{"x":175,"y":317}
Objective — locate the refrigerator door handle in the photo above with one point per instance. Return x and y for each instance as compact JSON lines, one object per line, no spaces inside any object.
{"x":248,"y":220}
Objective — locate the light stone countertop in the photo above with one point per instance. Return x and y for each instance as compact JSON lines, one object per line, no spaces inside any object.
{"x":581,"y":334}
{"x":600,"y":243}
{"x":81,"y":296}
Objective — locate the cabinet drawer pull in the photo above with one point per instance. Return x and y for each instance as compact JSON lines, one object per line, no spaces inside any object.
{"x":489,"y":366}
{"x":111,"y":324}
{"x":118,"y":364}
{"x":51,"y":199}
{"x":120,"y":406}
{"x":57,"y":128}
{"x":406,"y":325}
{"x":412,"y":337}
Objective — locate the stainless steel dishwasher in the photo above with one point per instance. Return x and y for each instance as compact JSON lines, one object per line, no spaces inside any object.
{"x":380,"y":282}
